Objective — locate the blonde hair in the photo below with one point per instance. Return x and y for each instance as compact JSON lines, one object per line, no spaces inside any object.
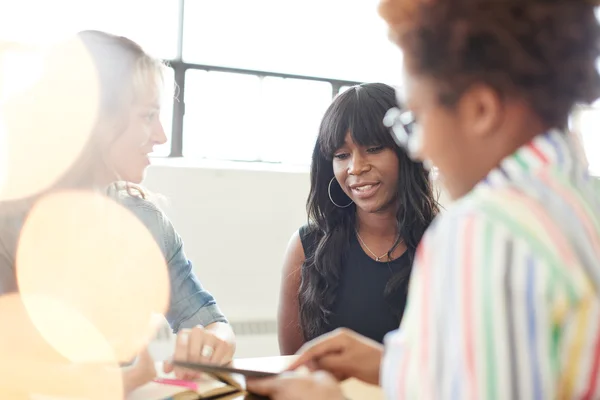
{"x":125,"y":74}
{"x":122,"y":64}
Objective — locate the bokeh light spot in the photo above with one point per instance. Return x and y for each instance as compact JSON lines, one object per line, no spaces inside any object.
{"x":102,"y":270}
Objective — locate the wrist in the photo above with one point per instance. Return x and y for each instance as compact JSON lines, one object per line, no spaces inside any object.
{"x":376,"y":376}
{"x":223,"y":331}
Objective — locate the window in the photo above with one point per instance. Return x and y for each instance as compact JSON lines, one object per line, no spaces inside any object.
{"x":334,"y":39}
{"x":586,"y":122}
{"x":292,"y":110}
{"x":249,"y":118}
{"x":151,"y":23}
{"x":247,"y":80}
{"x":222,"y":115}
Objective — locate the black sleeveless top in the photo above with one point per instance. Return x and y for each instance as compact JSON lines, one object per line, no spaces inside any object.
{"x":360,"y":303}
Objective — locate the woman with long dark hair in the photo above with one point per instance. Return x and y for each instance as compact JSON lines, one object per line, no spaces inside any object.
{"x":368,"y":207}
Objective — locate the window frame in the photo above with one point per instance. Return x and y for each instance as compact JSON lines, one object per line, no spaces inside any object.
{"x":180,"y":68}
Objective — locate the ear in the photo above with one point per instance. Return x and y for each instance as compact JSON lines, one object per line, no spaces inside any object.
{"x":480,"y":110}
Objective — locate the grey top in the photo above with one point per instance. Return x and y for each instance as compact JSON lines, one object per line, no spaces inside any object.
{"x":190,"y":304}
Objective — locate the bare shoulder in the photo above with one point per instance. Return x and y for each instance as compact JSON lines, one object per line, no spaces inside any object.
{"x":295,"y":250}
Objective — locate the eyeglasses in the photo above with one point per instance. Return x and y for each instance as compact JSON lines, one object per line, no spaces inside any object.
{"x":402,"y":125}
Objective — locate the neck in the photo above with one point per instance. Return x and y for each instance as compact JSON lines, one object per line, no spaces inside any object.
{"x":377,"y":224}
{"x":87,"y":178}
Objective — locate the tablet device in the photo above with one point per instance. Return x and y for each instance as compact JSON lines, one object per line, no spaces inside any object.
{"x":220,"y":369}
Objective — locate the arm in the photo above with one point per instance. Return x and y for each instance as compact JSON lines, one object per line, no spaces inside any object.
{"x":204,"y":334}
{"x":191,"y":305}
{"x":288,"y":317}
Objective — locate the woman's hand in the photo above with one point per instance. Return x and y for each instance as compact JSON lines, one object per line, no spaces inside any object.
{"x":294,"y":386}
{"x":211,"y":345}
{"x":343,"y":353}
{"x":140,"y":373}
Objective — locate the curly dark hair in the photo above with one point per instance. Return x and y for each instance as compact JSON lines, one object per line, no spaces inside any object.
{"x":360,"y":111}
{"x":540,"y":51}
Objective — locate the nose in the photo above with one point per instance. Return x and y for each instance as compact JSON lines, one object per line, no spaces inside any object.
{"x":158,"y":135}
{"x":358,"y":164}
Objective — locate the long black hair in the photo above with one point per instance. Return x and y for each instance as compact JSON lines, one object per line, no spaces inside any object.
{"x":358,"y":111}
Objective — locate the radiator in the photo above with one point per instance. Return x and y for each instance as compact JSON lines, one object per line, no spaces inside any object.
{"x":254,"y":327}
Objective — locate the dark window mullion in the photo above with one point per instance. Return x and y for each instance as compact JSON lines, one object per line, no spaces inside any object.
{"x":335,"y":89}
{"x":179,"y":99}
{"x":178,"y":110}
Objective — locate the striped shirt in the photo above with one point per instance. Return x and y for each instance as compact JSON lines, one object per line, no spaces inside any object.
{"x":504,"y":299}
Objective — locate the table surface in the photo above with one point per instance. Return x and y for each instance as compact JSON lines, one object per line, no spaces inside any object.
{"x":352,"y":388}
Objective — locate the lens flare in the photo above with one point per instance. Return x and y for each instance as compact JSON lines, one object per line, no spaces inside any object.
{"x":31,"y":368}
{"x":100,"y":271}
{"x":46,"y":121}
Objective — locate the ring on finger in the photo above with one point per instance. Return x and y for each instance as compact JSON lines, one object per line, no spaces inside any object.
{"x":207,"y":351}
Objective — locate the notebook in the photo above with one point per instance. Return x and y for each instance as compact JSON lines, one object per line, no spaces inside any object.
{"x":162,"y":348}
{"x":207,"y":387}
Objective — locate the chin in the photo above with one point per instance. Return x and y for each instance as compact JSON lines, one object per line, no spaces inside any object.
{"x":135,"y":178}
{"x":369,"y":206}
{"x":138,"y":179}
{"x":373,"y":206}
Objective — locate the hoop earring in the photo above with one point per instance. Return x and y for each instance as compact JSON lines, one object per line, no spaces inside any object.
{"x":331,"y":198}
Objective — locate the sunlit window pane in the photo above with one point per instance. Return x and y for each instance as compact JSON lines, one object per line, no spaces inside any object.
{"x":20,"y":68}
{"x":222,"y":116}
{"x":246,"y":118}
{"x":587,"y":123}
{"x":343,"y":89}
{"x":151,"y":23}
{"x":337,"y":39}
{"x":292,"y":110}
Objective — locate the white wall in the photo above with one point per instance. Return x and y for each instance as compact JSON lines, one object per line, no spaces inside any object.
{"x":235,"y":224}
{"x":235,"y":220}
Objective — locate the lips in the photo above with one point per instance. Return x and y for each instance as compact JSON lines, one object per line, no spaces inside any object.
{"x":146,"y":157}
{"x":365,"y":190}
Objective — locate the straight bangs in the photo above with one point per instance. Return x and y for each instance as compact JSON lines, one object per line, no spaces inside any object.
{"x":358,"y":111}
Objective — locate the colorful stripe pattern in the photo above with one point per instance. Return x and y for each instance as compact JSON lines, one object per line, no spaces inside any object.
{"x":505,"y":292}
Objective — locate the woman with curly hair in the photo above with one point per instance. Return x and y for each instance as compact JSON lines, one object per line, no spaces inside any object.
{"x":504,"y":298}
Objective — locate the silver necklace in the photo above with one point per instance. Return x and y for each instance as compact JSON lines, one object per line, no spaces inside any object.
{"x":377,"y":258}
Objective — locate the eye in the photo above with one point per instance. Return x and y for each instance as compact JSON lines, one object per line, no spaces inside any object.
{"x":341,"y":156}
{"x":149,"y":117}
{"x":375,"y":149}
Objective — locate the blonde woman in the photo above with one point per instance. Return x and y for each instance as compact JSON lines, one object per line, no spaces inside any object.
{"x":128,"y":128}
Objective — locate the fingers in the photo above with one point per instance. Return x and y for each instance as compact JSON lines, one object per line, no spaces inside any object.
{"x":182,"y":354}
{"x":222,"y":354}
{"x":181,"y":346}
{"x":195,"y":343}
{"x":263,"y":387}
{"x":168,"y":367}
{"x":331,"y":343}
{"x":199,"y":345}
{"x":336,"y":364}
